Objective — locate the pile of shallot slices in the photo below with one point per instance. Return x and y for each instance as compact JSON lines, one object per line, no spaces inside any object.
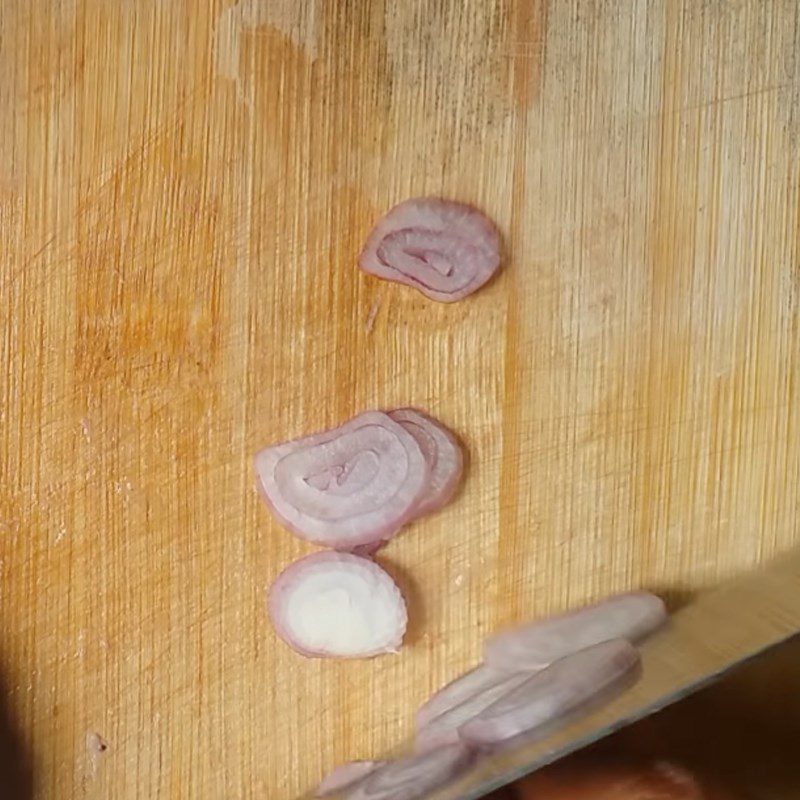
{"x":533,"y":679}
{"x":357,"y":485}
{"x":353,"y":488}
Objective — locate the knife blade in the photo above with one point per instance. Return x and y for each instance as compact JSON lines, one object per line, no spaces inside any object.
{"x":718,"y":631}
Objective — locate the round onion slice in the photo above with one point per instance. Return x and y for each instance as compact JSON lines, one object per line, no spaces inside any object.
{"x":345,"y":776}
{"x":339,"y":605}
{"x":577,"y":682}
{"x":414,"y":776}
{"x":443,"y":729}
{"x":629,"y":616}
{"x":444,"y":249}
{"x":443,"y":454}
{"x":352,"y":485}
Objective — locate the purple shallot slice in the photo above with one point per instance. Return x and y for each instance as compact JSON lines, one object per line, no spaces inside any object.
{"x":534,"y":645}
{"x":414,"y":776}
{"x":443,"y":729}
{"x":443,"y":454}
{"x":571,"y":685}
{"x":444,"y":249}
{"x":356,"y":484}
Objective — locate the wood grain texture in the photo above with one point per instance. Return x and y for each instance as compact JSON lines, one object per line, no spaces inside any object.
{"x":184,"y":187}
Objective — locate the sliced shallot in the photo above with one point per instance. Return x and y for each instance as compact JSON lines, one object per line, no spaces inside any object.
{"x":444,"y":249}
{"x":629,"y":616}
{"x":443,"y":729}
{"x":414,"y":776}
{"x":442,"y":453}
{"x":457,"y":691}
{"x":345,"y":776}
{"x":339,"y":605}
{"x":353,"y":485}
{"x":575,"y":683}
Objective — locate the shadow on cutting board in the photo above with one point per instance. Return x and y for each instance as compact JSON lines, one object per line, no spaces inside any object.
{"x":16,"y":767}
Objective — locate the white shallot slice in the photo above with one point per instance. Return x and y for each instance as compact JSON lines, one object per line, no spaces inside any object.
{"x":444,"y":249}
{"x":630,"y":616}
{"x":575,"y":683}
{"x":338,"y":605}
{"x":345,"y":776}
{"x":414,"y":776}
{"x":352,"y":485}
{"x":443,"y":729}
{"x":443,"y":454}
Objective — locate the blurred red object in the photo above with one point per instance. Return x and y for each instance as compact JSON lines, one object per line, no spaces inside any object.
{"x":601,"y":779}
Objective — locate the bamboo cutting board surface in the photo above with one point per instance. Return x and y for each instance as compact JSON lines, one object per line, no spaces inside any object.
{"x":184,"y":188}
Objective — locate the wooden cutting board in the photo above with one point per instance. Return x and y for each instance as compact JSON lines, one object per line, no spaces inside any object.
{"x":184,"y":188}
